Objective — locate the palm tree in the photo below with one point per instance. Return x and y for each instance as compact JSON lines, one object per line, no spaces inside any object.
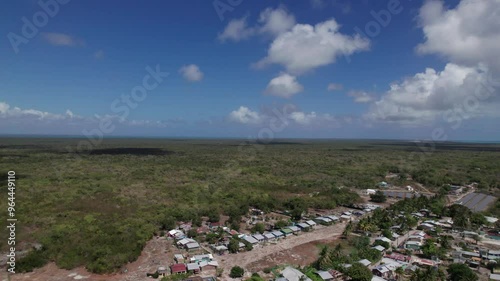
{"x":347,"y":230}
{"x":399,"y":272}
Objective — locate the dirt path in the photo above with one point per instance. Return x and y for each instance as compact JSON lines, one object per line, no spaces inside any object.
{"x":264,"y":256}
{"x":423,"y":187}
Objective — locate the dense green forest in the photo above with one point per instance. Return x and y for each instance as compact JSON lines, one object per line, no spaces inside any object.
{"x":97,"y":206}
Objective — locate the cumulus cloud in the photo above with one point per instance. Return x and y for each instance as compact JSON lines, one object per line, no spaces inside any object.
{"x":61,"y":39}
{"x":19,"y":118}
{"x":275,"y":21}
{"x":334,"y":87}
{"x":191,"y":73}
{"x":284,"y":85}
{"x":303,"y":118}
{"x":467,"y":34}
{"x":287,"y":114}
{"x":361,"y":96}
{"x":430,"y":94}
{"x":271,"y":21}
{"x":236,"y":30}
{"x":8,"y":112}
{"x":307,"y":47}
{"x":244,"y":115}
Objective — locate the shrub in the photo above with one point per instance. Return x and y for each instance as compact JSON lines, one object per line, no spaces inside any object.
{"x":236,"y":272}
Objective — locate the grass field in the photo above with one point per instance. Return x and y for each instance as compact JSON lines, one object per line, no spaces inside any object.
{"x":97,"y":207}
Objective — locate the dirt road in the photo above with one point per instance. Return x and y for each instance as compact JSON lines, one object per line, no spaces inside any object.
{"x":256,"y":259}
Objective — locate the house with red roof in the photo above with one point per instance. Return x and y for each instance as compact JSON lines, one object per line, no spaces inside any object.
{"x":178,"y":268}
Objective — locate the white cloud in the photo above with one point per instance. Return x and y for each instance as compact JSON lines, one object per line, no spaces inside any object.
{"x":307,"y":47}
{"x":467,"y":34}
{"x":236,"y":30}
{"x":334,"y":87}
{"x":430,"y":94}
{"x":191,"y":73}
{"x":288,"y":114}
{"x":361,"y":96}
{"x":24,"y":119}
{"x":271,"y":21}
{"x":245,"y":116}
{"x":275,"y":21}
{"x":303,"y":118}
{"x":8,"y":112}
{"x":61,"y":39}
{"x":285,"y":86}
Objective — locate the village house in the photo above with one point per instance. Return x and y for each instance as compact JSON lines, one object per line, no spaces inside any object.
{"x":379,"y":248}
{"x":220,"y":249}
{"x":494,"y":276}
{"x":325,"y":275}
{"x":278,"y":234}
{"x":384,"y":239}
{"x":358,"y":213}
{"x":176,"y":234}
{"x":333,"y":218}
{"x":294,"y":229}
{"x":418,"y":215}
{"x":208,"y":265}
{"x":193,"y":246}
{"x":365,"y":262}
{"x":412,"y":245}
{"x":250,"y":239}
{"x":179,"y":258}
{"x":193,"y":268}
{"x":178,"y":268}
{"x":183,"y":242}
{"x":292,"y":274}
{"x":199,"y":258}
{"x":323,"y":220}
{"x":493,"y":255}
{"x":259,"y":237}
{"x":162,"y":271}
{"x":286,"y":232}
{"x":311,"y":223}
{"x":269,"y":236}
{"x":303,"y":226}
{"x":370,"y":191}
{"x":381,"y":271}
{"x":214,"y":226}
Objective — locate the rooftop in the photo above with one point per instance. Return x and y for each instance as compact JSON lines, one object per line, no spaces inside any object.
{"x":325,"y":275}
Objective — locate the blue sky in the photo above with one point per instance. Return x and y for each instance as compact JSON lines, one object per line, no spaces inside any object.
{"x":233,"y":64}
